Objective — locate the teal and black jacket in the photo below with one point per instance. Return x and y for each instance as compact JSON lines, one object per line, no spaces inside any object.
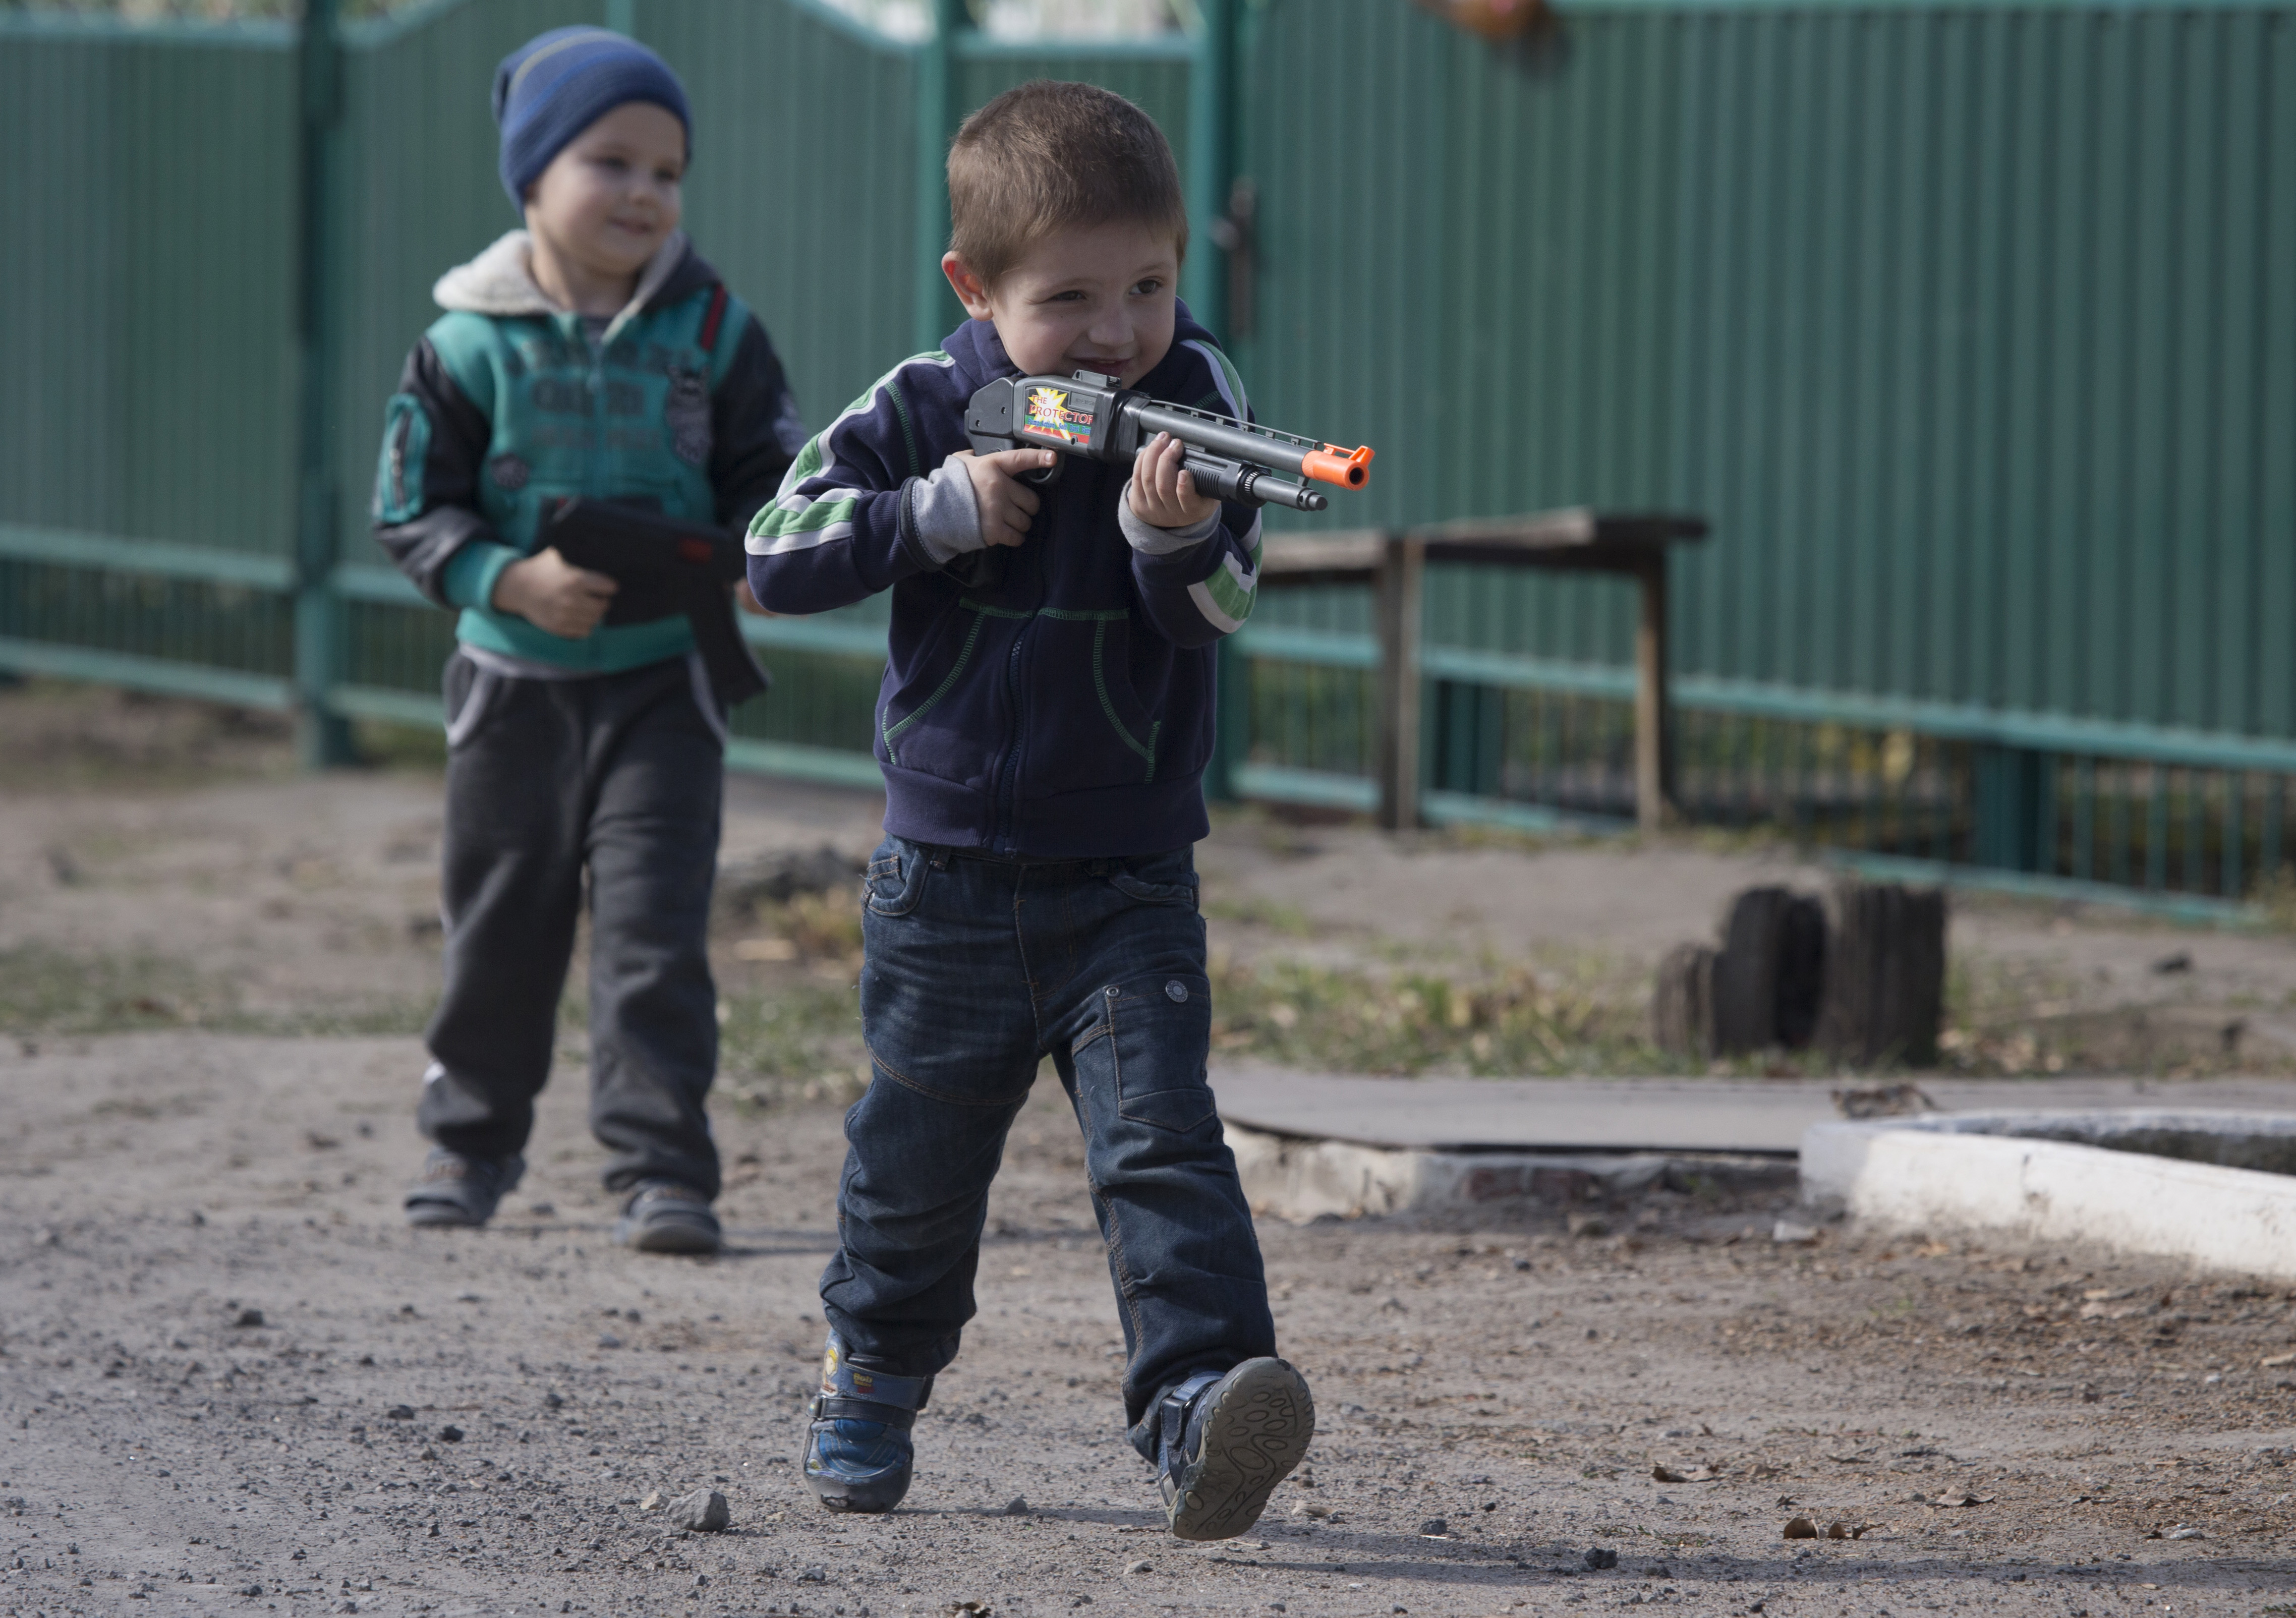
{"x":509,"y":405}
{"x":1062,"y":708}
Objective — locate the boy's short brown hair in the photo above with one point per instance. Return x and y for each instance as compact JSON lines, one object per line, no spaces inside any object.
{"x":1052,"y":156}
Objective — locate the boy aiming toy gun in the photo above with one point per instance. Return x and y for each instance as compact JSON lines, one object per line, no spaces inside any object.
{"x":1088,"y":414}
{"x":665,"y":565}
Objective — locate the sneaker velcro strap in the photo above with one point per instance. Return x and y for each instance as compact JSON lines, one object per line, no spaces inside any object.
{"x":841,"y":1379}
{"x":830,"y":1407}
{"x":1172,"y":1413}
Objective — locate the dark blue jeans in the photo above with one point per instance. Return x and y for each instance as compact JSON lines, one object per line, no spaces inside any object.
{"x":974,"y":970}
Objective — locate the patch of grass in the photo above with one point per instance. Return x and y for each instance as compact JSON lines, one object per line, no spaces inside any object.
{"x":1286,"y":919}
{"x":799,"y":1042}
{"x":823,"y":926}
{"x":1503,"y":1022}
{"x":49,"y":991}
{"x":59,"y":735}
{"x":1514,"y":840}
{"x":46,"y":990}
{"x":2275,"y":898}
{"x":410,"y":747}
{"x":381,"y":1019}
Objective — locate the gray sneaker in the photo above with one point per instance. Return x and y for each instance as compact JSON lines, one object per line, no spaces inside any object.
{"x":454,"y":1189}
{"x":663,"y":1216}
{"x":1226,"y":1441}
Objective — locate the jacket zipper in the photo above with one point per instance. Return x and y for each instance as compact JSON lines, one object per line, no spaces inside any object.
{"x":597,"y":347}
{"x":1002,"y":838}
{"x":1008,"y":767}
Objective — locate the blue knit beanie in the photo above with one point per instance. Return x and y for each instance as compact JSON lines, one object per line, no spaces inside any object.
{"x":558,"y":84}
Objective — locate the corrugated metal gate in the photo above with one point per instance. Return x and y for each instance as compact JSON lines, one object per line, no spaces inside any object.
{"x":1957,"y":323}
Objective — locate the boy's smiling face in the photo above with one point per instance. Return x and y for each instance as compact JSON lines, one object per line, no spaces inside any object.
{"x":611,"y":196}
{"x":1092,"y":298}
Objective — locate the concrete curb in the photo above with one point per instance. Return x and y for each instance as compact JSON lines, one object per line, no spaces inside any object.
{"x":2034,"y":1176}
{"x":1288,"y":1177}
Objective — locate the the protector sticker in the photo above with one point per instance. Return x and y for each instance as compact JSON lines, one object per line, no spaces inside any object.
{"x":1050,"y":416}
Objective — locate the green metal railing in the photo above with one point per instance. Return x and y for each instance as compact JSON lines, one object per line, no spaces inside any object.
{"x":1966,"y":326}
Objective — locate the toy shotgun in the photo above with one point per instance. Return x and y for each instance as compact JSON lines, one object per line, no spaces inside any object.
{"x":665,"y":566}
{"x":1088,"y":414}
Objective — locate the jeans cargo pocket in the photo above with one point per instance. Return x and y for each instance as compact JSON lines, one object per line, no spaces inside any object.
{"x":1180,"y":893}
{"x":1159,"y":879}
{"x":1157,"y":1031}
{"x":897,"y":878}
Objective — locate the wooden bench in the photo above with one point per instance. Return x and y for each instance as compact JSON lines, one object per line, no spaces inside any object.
{"x":1575,"y":539}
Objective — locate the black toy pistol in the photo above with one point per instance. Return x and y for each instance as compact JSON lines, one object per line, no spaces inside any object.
{"x":665,"y":566}
{"x":1088,"y":414}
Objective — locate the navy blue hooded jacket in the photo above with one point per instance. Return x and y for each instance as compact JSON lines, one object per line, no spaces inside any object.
{"x":1066,"y":711}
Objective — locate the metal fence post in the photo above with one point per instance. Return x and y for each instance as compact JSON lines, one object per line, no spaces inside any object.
{"x":2014,"y":809}
{"x":1211,"y":163}
{"x":935,"y":113}
{"x":325,"y":736}
{"x":1212,"y":170}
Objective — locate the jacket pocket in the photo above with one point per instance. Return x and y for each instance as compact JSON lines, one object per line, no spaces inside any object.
{"x":1117,"y":737}
{"x":1157,"y":1032}
{"x":953,"y":651}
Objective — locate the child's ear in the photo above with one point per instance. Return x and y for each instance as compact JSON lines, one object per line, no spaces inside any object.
{"x":972,"y":291}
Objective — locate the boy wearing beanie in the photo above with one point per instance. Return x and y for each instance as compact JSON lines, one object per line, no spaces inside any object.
{"x":592,"y":354}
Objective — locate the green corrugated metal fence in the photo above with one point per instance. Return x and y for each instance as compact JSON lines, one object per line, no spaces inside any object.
{"x":1960,"y":325}
{"x":1968,"y":328}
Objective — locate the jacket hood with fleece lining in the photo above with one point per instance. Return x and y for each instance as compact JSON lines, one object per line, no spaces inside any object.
{"x":500,"y":281}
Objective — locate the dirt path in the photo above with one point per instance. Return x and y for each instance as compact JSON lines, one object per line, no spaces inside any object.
{"x":211,"y":1313}
{"x":1517,"y":1384}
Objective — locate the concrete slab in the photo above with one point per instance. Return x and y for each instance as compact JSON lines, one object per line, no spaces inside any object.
{"x":1288,"y":1177}
{"x":1990,"y":1171}
{"x":1764,"y":1116}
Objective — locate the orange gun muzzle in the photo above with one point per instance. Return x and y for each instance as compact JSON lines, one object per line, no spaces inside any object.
{"x":1348,"y":468}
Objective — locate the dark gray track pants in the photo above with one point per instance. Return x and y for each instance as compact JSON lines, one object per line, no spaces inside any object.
{"x":621,"y":775}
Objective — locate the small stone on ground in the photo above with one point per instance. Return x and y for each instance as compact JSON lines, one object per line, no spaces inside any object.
{"x":704,"y":1511}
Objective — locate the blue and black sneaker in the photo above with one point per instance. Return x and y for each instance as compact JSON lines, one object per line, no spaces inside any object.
{"x":857,"y":1452}
{"x":1226,"y":1441}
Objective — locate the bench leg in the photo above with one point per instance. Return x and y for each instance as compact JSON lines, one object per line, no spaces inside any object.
{"x":1654,"y":714}
{"x":1402,"y":572}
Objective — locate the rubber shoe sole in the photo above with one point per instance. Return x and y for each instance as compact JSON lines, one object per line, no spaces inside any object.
{"x":455,"y":1192}
{"x":879,"y":1492}
{"x":1257,"y":1431}
{"x":669,"y":1233}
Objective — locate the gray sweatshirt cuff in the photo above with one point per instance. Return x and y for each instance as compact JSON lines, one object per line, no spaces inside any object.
{"x":1150,"y":540}
{"x":946,"y":517}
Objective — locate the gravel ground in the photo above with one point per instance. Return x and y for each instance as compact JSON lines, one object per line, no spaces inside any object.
{"x":230,"y":1380}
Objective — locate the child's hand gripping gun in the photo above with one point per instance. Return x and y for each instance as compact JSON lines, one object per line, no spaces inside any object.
{"x":666,"y":566}
{"x":1088,"y":414}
